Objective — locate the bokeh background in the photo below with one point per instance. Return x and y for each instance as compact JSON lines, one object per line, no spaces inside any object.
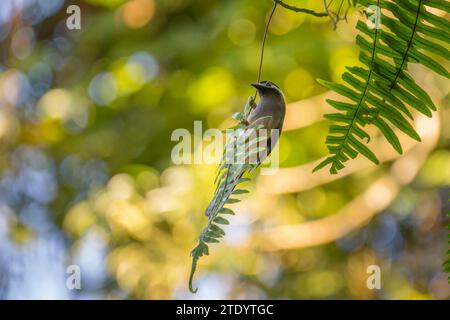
{"x":86,"y":176}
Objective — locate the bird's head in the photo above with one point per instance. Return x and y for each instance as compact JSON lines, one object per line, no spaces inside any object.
{"x":267,"y":88}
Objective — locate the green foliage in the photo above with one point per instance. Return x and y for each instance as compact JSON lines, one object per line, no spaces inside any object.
{"x":380,"y":92}
{"x":229,"y":175}
{"x":77,"y":176}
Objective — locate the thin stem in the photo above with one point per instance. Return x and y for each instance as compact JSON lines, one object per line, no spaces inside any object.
{"x":333,"y":16}
{"x":405,"y":55}
{"x":329,"y":14}
{"x":340,"y":8}
{"x":297,"y":9}
{"x":264,"y":43}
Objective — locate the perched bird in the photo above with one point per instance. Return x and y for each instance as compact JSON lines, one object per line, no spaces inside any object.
{"x":270,"y":110}
{"x":267,"y":114}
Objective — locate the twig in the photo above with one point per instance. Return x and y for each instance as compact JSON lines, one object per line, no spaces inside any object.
{"x":304,"y":10}
{"x":333,"y":16}
{"x":329,"y":13}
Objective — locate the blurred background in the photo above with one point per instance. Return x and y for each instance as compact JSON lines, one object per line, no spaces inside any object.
{"x":86,"y":176}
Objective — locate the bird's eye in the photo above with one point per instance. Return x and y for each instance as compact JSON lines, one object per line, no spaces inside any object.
{"x":268,"y":84}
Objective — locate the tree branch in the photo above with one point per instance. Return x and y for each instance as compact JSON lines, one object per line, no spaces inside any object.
{"x":297,"y":9}
{"x":333,"y":16}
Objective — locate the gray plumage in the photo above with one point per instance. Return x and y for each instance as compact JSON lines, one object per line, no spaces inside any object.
{"x":269,"y":113}
{"x":270,"y":110}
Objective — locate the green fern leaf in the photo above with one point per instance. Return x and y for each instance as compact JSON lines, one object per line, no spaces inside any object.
{"x":228,"y":177}
{"x":381,"y":92}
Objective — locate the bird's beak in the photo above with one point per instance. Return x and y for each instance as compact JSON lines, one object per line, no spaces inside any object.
{"x":257,"y":85}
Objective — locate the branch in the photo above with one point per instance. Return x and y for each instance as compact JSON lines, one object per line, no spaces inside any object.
{"x":334,"y":17}
{"x":297,"y":9}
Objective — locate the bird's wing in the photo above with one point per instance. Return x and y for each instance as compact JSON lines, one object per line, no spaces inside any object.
{"x":270,"y":123}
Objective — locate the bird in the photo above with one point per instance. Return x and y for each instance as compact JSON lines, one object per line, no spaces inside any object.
{"x":267,"y":114}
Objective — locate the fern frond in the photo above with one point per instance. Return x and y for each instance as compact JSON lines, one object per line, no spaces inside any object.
{"x":229,"y":175}
{"x":380,"y":92}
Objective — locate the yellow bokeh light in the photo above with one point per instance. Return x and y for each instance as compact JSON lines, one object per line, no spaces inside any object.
{"x":8,"y":124}
{"x":135,"y":72}
{"x":121,"y":187}
{"x":241,"y":32}
{"x":56,"y":104}
{"x":10,"y":86}
{"x":284,"y":21}
{"x":130,"y":217}
{"x":147,"y":180}
{"x":126,"y":79}
{"x":215,"y":86}
{"x":299,"y":84}
{"x":340,"y":58}
{"x":323,"y":283}
{"x":79,"y":219}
